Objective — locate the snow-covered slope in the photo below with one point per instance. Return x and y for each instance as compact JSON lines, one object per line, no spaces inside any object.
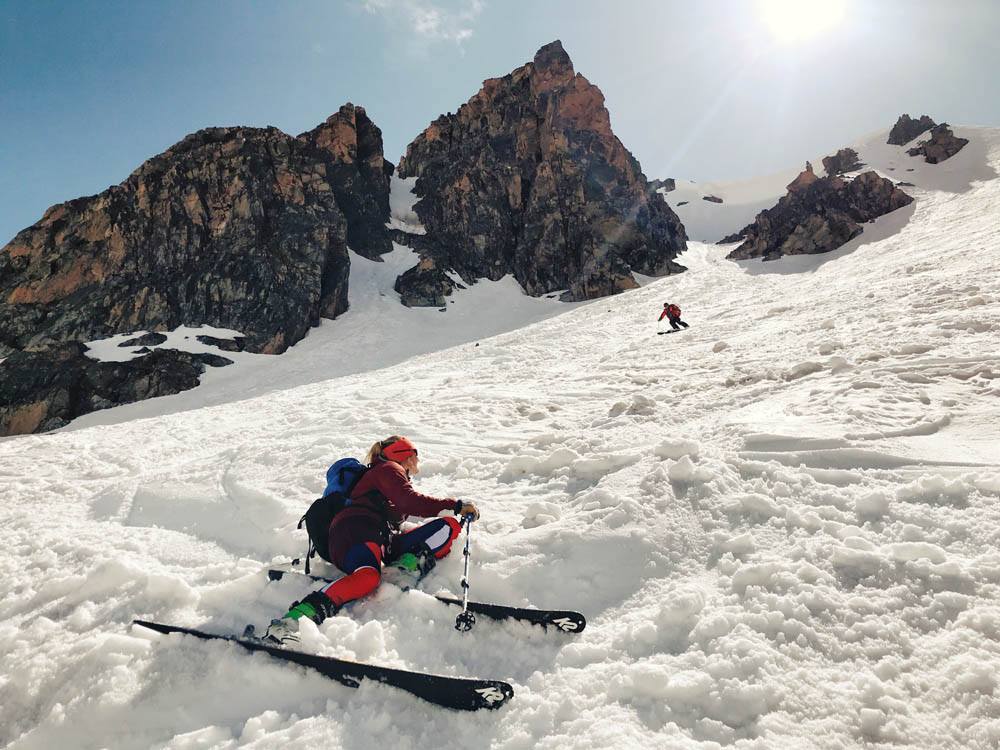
{"x":742,"y":200}
{"x":782,"y":523}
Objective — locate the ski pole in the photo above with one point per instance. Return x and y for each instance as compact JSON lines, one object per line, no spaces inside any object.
{"x":465,"y":619}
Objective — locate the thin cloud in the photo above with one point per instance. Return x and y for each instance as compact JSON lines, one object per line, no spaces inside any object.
{"x":434,"y":21}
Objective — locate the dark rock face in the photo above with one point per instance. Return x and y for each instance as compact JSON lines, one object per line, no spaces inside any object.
{"x":239,"y":228}
{"x":818,"y":214}
{"x":351,"y":146}
{"x":667,"y":185}
{"x":528,"y":179}
{"x":45,"y":389}
{"x":845,"y":160}
{"x":906,"y":129}
{"x":940,"y":146}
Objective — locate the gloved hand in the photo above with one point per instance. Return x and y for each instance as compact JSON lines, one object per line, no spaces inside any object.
{"x":468,"y":509}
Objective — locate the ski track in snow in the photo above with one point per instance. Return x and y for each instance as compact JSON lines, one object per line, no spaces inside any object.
{"x":782,"y":523}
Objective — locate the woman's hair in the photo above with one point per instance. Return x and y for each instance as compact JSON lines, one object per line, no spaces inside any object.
{"x":376,"y":450}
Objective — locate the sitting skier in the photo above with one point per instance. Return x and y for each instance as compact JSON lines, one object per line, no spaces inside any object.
{"x":365,"y":535}
{"x":672,"y":313}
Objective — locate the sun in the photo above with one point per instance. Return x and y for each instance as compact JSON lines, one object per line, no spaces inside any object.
{"x":794,"y":20}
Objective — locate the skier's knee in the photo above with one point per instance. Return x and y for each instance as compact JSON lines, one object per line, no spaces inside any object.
{"x":440,"y":541}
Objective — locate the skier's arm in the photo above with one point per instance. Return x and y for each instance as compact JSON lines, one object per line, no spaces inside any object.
{"x":407,"y":501}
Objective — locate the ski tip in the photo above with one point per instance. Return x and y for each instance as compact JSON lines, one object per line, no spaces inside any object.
{"x":152,"y":626}
{"x":494,"y":695}
{"x":570,"y":622}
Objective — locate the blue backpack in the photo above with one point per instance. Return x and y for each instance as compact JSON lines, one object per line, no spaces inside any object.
{"x":341,"y":479}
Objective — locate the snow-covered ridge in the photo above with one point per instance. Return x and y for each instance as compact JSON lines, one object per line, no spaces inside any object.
{"x":707,"y":221}
{"x":781,"y":523}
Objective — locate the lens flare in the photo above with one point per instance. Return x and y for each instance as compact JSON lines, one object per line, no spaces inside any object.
{"x":794,"y":20}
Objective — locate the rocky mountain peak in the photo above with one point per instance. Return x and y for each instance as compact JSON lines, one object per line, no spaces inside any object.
{"x":551,"y":68}
{"x":806,"y":178}
{"x":527,"y":178}
{"x":237,"y":228}
{"x":349,"y":136}
{"x":351,"y":146}
{"x":241,"y":228}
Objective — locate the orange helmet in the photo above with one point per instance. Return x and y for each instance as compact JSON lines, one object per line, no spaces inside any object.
{"x":400,"y":450}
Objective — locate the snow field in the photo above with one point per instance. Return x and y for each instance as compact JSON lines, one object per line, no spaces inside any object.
{"x":782,"y":524}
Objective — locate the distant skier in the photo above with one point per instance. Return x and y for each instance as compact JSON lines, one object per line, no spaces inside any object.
{"x":366,"y":533}
{"x":672,"y":313}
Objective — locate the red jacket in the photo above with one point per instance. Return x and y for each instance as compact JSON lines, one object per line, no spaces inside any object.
{"x":394,"y":498}
{"x":672,"y":310}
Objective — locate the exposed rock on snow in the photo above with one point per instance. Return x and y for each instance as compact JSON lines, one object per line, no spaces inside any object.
{"x":942,"y":145}
{"x":845,"y":160}
{"x":424,"y":285}
{"x":906,"y":129}
{"x":47,"y":388}
{"x":818,"y":214}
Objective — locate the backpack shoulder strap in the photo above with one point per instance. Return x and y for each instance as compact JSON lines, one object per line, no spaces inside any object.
{"x":354,"y":482}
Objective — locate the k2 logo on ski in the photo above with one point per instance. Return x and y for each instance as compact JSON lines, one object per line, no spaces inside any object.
{"x":490,"y":694}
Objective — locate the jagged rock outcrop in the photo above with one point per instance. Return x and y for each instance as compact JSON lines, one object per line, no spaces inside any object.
{"x":424,"y":285}
{"x":906,"y":129}
{"x":668,"y":185}
{"x":943,"y":144}
{"x":818,"y":214}
{"x":528,"y":179}
{"x":47,"y":388}
{"x":356,"y":170}
{"x":806,"y":178}
{"x":239,"y":228}
{"x":845,"y":160}
{"x":735,"y":236}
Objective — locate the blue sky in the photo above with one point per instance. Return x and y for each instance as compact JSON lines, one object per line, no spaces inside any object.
{"x":696,"y":90}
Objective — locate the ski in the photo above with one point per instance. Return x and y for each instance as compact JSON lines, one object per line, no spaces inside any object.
{"x":563,"y":619}
{"x":464,"y":693}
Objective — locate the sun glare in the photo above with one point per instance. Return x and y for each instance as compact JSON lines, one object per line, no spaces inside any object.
{"x":792,"y":20}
